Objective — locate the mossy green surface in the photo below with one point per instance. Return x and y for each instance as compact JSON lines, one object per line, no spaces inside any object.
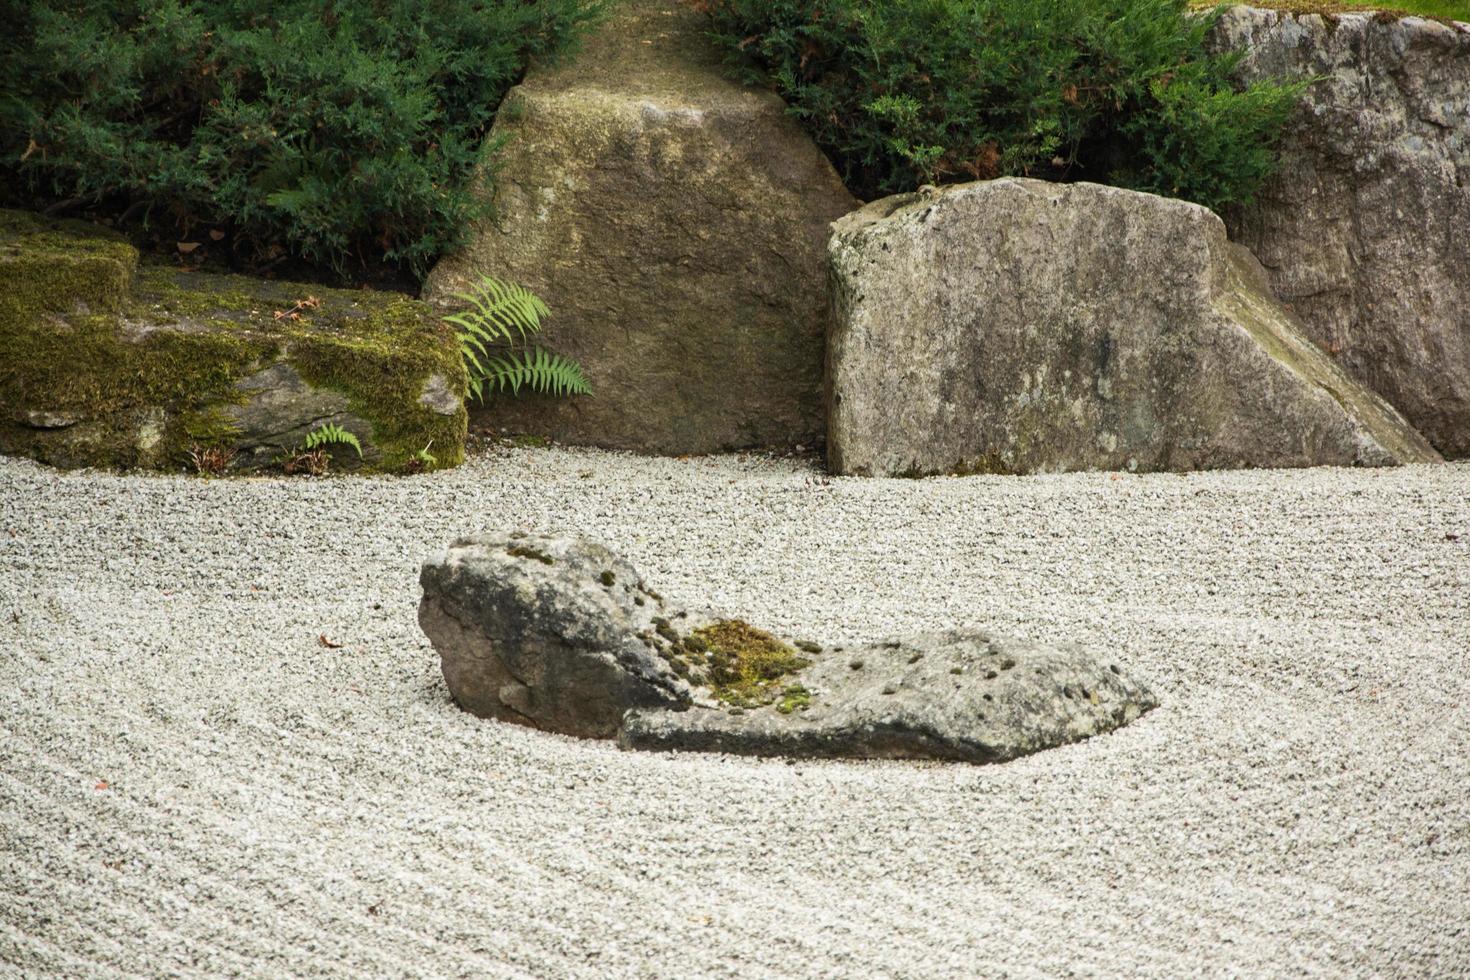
{"x":96,"y":344}
{"x":749,"y":667}
{"x":55,"y":266}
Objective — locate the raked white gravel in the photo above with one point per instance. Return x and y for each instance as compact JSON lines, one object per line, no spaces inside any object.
{"x":193,"y":784}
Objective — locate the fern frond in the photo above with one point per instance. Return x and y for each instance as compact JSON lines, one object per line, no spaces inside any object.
{"x":330,"y":433}
{"x":537,"y":370}
{"x":498,"y":316}
{"x":498,"y":309}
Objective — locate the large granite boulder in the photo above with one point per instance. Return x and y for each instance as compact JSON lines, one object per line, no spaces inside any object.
{"x":558,"y":633}
{"x":674,"y":221}
{"x":1018,"y":326}
{"x":1365,"y":230}
{"x":107,"y":363}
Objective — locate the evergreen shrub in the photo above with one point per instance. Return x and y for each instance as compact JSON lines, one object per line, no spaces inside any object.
{"x":341,"y":132}
{"x":906,"y":92}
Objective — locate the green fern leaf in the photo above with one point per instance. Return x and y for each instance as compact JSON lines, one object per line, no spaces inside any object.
{"x":329,"y":434}
{"x":537,"y":370}
{"x":501,"y":316}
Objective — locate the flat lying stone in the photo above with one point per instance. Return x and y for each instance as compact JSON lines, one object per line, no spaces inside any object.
{"x":557,"y":633}
{"x":1019,"y":326}
{"x":109,"y":364}
{"x":964,"y":697}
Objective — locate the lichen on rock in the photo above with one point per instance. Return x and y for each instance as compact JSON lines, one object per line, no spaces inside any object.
{"x":1019,"y":326}
{"x":1364,"y":230}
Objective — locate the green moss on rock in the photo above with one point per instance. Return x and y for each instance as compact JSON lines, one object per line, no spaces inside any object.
{"x":110,"y":365}
{"x":57,"y":266}
{"x":747,"y":666}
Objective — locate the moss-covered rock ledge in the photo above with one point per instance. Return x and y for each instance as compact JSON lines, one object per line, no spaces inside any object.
{"x":106,"y":363}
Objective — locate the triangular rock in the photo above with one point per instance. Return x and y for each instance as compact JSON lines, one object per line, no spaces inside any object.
{"x":674,"y":221}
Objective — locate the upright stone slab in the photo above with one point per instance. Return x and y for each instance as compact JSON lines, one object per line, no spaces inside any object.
{"x":674,"y":221}
{"x":1365,"y":229}
{"x":1018,"y":326}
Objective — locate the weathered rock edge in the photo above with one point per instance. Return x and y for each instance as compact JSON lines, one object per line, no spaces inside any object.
{"x":1364,"y":230}
{"x":1020,"y":326}
{"x":109,"y":364}
{"x":674,"y":221}
{"x":558,"y":633}
{"x":550,"y":631}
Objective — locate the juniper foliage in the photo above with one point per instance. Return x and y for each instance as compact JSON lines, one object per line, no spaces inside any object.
{"x":338,"y":131}
{"x":905,"y":92}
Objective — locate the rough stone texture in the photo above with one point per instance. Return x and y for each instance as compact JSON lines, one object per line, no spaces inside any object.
{"x":109,"y":365}
{"x":1365,"y":231}
{"x":967,"y":697}
{"x":1017,"y":326}
{"x":551,"y":632}
{"x":674,"y":221}
{"x":558,"y":633}
{"x":279,"y":408}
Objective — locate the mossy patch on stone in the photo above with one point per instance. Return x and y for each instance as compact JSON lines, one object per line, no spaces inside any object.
{"x":55,"y":266}
{"x":1447,"y":12}
{"x":535,"y":554}
{"x":794,"y":697}
{"x":111,"y":365}
{"x":747,"y":666}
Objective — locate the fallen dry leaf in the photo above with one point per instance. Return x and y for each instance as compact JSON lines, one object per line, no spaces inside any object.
{"x":187,"y":247}
{"x":322,"y":639}
{"x":216,"y":234}
{"x":101,"y":784}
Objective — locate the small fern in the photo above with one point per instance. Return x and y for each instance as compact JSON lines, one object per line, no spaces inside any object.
{"x":537,"y":369}
{"x":329,"y":434}
{"x":493,"y":334}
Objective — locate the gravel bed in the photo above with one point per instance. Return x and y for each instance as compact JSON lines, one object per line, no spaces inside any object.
{"x":226,"y":749}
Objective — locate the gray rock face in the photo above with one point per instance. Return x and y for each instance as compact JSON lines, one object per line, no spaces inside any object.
{"x":560,"y":634}
{"x":967,"y":697}
{"x":1365,"y":230}
{"x":551,"y":632}
{"x":1017,"y":326}
{"x":674,"y":222}
{"x":278,"y":409}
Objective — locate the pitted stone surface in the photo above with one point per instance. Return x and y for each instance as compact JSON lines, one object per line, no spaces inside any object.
{"x":960,"y":696}
{"x":556,"y":632}
{"x":547,"y":631}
